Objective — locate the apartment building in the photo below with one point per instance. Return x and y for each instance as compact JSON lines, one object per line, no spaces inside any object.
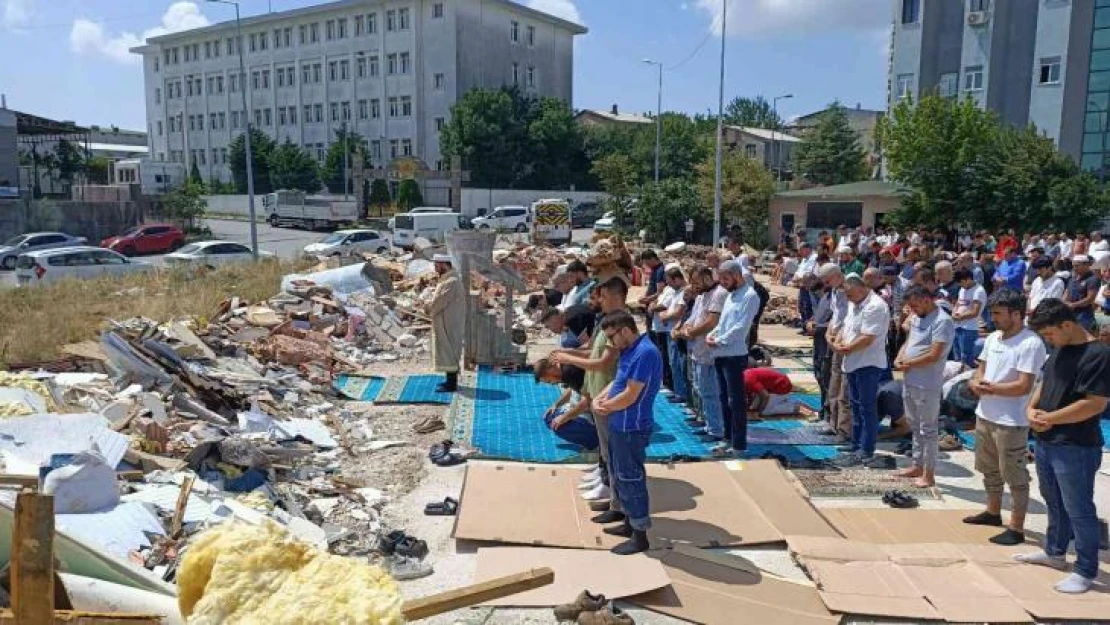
{"x":389,"y":70}
{"x":1041,"y":62}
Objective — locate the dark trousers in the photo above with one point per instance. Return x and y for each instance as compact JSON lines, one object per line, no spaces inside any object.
{"x":822,"y":361}
{"x":1066,"y":474}
{"x":660,"y":341}
{"x":734,"y":404}
{"x":863,"y":393}
{"x":627,"y":454}
{"x":579,"y":431}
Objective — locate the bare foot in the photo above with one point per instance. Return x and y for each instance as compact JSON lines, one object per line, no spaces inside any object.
{"x":911,"y":472}
{"x":924,"y":483}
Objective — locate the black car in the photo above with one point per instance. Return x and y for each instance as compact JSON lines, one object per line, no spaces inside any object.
{"x":585,"y":214}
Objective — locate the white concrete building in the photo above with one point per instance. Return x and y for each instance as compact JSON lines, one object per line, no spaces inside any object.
{"x":389,"y":69}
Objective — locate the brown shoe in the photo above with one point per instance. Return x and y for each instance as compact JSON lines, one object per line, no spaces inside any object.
{"x":429,"y":426}
{"x":584,"y":603}
{"x":609,"y":615}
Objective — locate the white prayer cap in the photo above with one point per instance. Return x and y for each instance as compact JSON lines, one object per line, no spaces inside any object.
{"x":1081,"y":258}
{"x":442,"y":258}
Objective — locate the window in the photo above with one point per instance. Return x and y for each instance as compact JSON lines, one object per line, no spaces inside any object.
{"x":157,"y":95}
{"x":376,"y":148}
{"x":516,"y":74}
{"x":329,"y":30}
{"x":362,"y":109}
{"x":233,"y":83}
{"x":265,"y":79}
{"x":358,"y":25}
{"x":317,"y":72}
{"x":514,"y":32}
{"x":307,"y":113}
{"x":394,"y":107}
{"x":404,"y":62}
{"x":342,"y":24}
{"x":222,"y":118}
{"x":219,"y":84}
{"x":255,"y":82}
{"x":332,"y":70}
{"x":211,"y":84}
{"x":207,"y":49}
{"x":212,"y":121}
{"x":973,"y":78}
{"x":437,"y":10}
{"x":306,"y":73}
{"x":318,"y":113}
{"x":155,"y":63}
{"x":1049,"y":71}
{"x":345,"y":107}
{"x":439,"y":164}
{"x":393,"y":145}
{"x":335,"y":111}
{"x":201,"y":154}
{"x":229,"y":46}
{"x":344,"y":70}
{"x":253,"y":42}
{"x":390,"y":21}
{"x":406,"y":147}
{"x":261,"y":41}
{"x":904,"y":86}
{"x":371,"y":23}
{"x":360,"y":67}
{"x":375,"y":108}
{"x":374,"y":68}
{"x":257,"y":117}
{"x":282,"y":117}
{"x":530,"y":35}
{"x":440,"y":123}
{"x":198,"y":83}
{"x":406,"y":106}
{"x":531,"y":76}
{"x":980,"y":5}
{"x":160,"y":128}
{"x":391,"y":64}
{"x":320,"y":151}
{"x":280,"y":77}
{"x":234,"y":120}
{"x":911,"y":11}
{"x":402,"y":19}
{"x":438,"y":81}
{"x":302,"y":32}
{"x":287,"y":37}
{"x":314,"y":32}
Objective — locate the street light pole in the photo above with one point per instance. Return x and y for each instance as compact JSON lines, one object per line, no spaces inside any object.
{"x":774,"y":144}
{"x":247,"y":134}
{"x":658,"y":118}
{"x":720,"y":131}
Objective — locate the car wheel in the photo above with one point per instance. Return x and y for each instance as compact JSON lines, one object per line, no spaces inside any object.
{"x":9,"y":263}
{"x":483,"y":227}
{"x":521,"y":228}
{"x":382,"y":250}
{"x":176,"y":245}
{"x":274,"y":221}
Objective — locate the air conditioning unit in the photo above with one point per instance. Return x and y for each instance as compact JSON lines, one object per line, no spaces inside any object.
{"x":977,"y":18}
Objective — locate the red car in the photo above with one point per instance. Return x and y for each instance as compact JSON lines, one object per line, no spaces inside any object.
{"x":146,"y":239}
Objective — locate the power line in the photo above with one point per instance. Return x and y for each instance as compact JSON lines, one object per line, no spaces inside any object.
{"x":705,"y":40}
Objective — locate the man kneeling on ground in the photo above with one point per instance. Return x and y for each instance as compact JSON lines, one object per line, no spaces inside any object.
{"x":769,"y":391}
{"x":569,"y":416}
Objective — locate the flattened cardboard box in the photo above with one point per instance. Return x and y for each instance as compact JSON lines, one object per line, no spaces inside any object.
{"x":704,"y":504}
{"x":917,"y":525}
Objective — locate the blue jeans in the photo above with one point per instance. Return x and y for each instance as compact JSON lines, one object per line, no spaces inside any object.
{"x":965,"y":346}
{"x":1067,"y":478}
{"x":567,"y":340}
{"x":578,"y":431}
{"x":705,"y":383}
{"x":627,"y":455}
{"x":678,"y":370}
{"x":734,"y":405}
{"x":863,"y":394}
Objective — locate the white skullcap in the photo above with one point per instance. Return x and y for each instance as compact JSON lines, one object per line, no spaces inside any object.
{"x":442,"y":258}
{"x":1081,"y":258}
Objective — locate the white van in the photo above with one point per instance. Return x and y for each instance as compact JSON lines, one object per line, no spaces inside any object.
{"x":505,"y":219}
{"x":407,"y":227}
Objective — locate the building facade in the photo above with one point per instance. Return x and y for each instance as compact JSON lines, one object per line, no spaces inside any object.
{"x":389,"y":70}
{"x":1040,"y":62}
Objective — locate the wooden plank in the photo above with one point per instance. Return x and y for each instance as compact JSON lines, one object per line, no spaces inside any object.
{"x":32,"y":585}
{"x":24,"y":481}
{"x":475,"y":594}
{"x":71,"y":617}
{"x":151,"y":462}
{"x":182,"y":503}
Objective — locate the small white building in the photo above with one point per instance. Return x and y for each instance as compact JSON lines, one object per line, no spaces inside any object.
{"x":153,"y":177}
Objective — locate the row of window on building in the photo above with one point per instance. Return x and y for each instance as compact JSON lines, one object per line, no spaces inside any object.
{"x":1096,"y":123}
{"x":911,"y":9}
{"x":219,"y":156}
{"x":1047,"y":73}
{"x":396,"y":20}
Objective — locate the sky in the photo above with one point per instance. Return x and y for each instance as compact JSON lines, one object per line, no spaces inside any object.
{"x":69,"y":59}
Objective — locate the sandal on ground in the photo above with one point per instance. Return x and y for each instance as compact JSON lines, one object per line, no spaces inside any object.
{"x":411,"y":547}
{"x":448,"y":507}
{"x":430,"y":426}
{"x":449,"y":459}
{"x":900,"y":499}
{"x":440,"y":449}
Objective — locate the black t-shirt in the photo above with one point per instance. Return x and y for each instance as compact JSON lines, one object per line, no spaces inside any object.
{"x":572,"y":377}
{"x":554,"y":297}
{"x":1071,"y":373}
{"x":580,"y":319}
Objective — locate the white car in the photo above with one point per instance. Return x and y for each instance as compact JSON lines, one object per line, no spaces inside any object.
{"x":504,"y":219}
{"x":79,"y":263}
{"x":344,"y":242}
{"x":212,"y":254}
{"x":420,"y":210}
{"x":32,"y":242}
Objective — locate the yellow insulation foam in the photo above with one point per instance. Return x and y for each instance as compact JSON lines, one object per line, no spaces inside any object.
{"x":239,"y":574}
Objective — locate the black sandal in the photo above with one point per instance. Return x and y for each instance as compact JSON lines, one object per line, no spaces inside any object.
{"x":447,"y":507}
{"x":388,"y":544}
{"x":411,"y":547}
{"x":440,"y":449}
{"x":448,"y":459}
{"x":902,"y":500}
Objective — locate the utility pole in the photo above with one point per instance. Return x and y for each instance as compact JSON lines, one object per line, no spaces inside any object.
{"x":777,"y":150}
{"x":720,"y":131}
{"x":658,"y":118}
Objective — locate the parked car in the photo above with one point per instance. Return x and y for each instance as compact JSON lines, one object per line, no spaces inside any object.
{"x":146,"y":239}
{"x":606,"y":223}
{"x":585,"y":214}
{"x":343,"y":242}
{"x":505,"y":218}
{"x":212,"y":254}
{"x":80,"y":263}
{"x":435,"y":227}
{"x":419,"y":210}
{"x":33,"y":242}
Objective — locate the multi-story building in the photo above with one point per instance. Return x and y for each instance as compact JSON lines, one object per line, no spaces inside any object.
{"x":389,"y":70}
{"x":1040,"y":62}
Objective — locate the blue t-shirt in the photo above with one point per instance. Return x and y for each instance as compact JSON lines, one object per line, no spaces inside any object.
{"x":655,"y":278}
{"x":642,"y":363}
{"x":1013,"y":273}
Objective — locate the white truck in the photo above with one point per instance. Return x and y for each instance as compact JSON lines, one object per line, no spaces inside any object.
{"x":295,"y":208}
{"x":408,"y":227}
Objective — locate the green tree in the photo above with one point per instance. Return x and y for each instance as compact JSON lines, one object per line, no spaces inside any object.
{"x":262,"y":146}
{"x":754,"y":112}
{"x":335,"y":162}
{"x":746,"y":190}
{"x":556,"y":157}
{"x":831,"y":153}
{"x":408,"y":195}
{"x":379,"y":195}
{"x":683,"y":146}
{"x":291,"y":167}
{"x":665,"y":206}
{"x":185,"y":204}
{"x":618,"y":178}
{"x":194,"y":174}
{"x":98,"y":169}
{"x":487,"y":129}
{"x":68,"y":159}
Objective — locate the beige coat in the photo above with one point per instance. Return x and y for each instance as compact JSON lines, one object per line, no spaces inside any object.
{"x":448,"y":312}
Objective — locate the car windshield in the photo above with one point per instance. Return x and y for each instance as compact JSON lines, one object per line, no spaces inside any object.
{"x":132,"y":232}
{"x":189,"y":249}
{"x":16,"y":240}
{"x":335,"y":237}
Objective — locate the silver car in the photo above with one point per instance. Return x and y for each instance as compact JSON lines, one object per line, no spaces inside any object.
{"x":33,"y":242}
{"x":79,"y":263}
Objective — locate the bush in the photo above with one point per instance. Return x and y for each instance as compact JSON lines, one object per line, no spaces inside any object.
{"x":408,"y":196}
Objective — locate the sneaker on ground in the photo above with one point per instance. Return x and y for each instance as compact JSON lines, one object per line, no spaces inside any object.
{"x":1041,"y":558}
{"x":590,"y":484}
{"x":601,"y":491}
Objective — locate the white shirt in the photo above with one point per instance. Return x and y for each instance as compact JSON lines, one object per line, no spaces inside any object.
{"x":1005,"y":359}
{"x":665,"y":299}
{"x":871,"y":317}
{"x":966,"y":301}
{"x":789,"y":268}
{"x":1045,"y":289}
{"x":1065,"y":248}
{"x":806,"y":266}
{"x":1101,"y":246}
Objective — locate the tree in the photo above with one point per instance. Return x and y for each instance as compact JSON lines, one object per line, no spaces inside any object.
{"x":408,"y":195}
{"x":683,"y":146}
{"x":262,"y":146}
{"x":291,"y":167}
{"x":618,"y":178}
{"x":194,"y":175}
{"x":754,"y":112}
{"x":556,"y":158}
{"x":379,"y":195}
{"x":68,"y":159}
{"x":185,"y":204}
{"x":99,"y":170}
{"x":831,"y":153}
{"x":665,"y":206}
{"x":746,"y":190}
{"x":486,"y":130}
{"x":335,"y":162}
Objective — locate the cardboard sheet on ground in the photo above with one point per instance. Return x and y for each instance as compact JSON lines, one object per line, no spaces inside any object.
{"x":784,"y":337}
{"x":706,"y":504}
{"x":705,"y":591}
{"x":890,"y":526}
{"x":600,"y":571}
{"x":946,"y":581}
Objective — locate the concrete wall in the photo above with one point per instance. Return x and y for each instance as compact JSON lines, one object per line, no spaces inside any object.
{"x":9,"y":153}
{"x":799,"y":208}
{"x":1046,"y":102}
{"x":1012,"y":66}
{"x":474,"y":199}
{"x":94,"y":221}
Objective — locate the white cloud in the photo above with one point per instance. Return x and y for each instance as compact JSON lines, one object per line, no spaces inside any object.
{"x":559,"y":8}
{"x":16,"y":13}
{"x":769,"y":18}
{"x":89,"y":37}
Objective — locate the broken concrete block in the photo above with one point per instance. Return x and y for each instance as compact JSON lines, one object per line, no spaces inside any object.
{"x":406,"y":340}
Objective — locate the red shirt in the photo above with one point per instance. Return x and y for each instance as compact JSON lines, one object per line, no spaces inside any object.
{"x":769,"y":380}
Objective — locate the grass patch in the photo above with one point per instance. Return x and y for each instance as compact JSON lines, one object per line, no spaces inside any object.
{"x":36,"y":322}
